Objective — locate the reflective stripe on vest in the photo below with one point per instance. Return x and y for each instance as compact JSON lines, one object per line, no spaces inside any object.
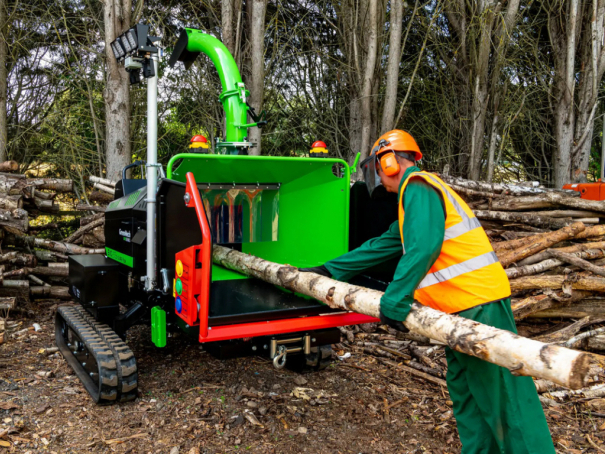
{"x":467,"y":272}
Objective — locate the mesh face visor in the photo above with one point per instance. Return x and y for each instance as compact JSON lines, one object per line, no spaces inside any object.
{"x":370,"y":173}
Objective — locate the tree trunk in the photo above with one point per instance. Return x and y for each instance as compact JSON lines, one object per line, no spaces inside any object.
{"x":368,"y":78}
{"x":392,"y":82}
{"x":3,"y":80}
{"x":47,"y":291}
{"x":546,"y":200}
{"x":257,"y":72}
{"x":491,"y":152}
{"x":117,"y":91}
{"x":228,"y":34}
{"x":544,"y":242}
{"x":549,"y":264}
{"x":533,"y":304}
{"x":523,"y":356}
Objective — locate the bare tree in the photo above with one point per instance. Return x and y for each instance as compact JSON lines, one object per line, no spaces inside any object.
{"x":117,"y":15}
{"x":256,"y":83}
{"x":3,"y":81}
{"x":390,"y":95}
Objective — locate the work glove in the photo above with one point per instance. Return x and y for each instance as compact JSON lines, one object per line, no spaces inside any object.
{"x":322,"y":270}
{"x":399,"y":326}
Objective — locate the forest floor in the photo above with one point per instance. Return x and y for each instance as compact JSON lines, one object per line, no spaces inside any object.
{"x":190,"y":402}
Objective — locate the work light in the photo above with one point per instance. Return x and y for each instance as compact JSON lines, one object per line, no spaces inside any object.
{"x":126,"y":44}
{"x":132,"y":38}
{"x":118,"y":52}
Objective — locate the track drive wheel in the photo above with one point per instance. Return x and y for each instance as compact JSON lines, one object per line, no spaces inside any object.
{"x":319,"y":358}
{"x":101,"y":360}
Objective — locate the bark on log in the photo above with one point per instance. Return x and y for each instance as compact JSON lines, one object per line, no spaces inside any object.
{"x":536,"y":221}
{"x":592,"y":284}
{"x":589,"y":232}
{"x":9,"y":166}
{"x":86,"y":228}
{"x":466,"y":192}
{"x":100,"y":197}
{"x":541,"y":256}
{"x":94,"y":239}
{"x":565,"y":213}
{"x":50,"y":292}
{"x":545,"y":241}
{"x":596,"y":230}
{"x":84,"y":207}
{"x":7,"y":303}
{"x":577,"y":261}
{"x":53,"y":184}
{"x":48,"y":256}
{"x":596,"y":343}
{"x":15,"y":288}
{"x":11,"y":202}
{"x":527,"y":307}
{"x":103,"y":188}
{"x":56,"y":246}
{"x":523,"y":356}
{"x":565,"y":333}
{"x":547,"y":200}
{"x":587,"y":306}
{"x":504,"y":188}
{"x":17,"y":219}
{"x":59,"y":271}
{"x":536,"y":268}
{"x":88,"y":219}
{"x":103,"y":181}
{"x":16,"y":259}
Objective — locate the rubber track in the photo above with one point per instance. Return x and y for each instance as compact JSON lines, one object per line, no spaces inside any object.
{"x":117,"y":364}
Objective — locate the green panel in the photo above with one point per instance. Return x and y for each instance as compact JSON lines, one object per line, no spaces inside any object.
{"x":158,"y":326}
{"x":119,"y":257}
{"x":132,"y":198}
{"x":313,"y":203}
{"x":223,"y":274}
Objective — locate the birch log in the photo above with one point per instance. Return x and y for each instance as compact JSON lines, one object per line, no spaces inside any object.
{"x":546,"y":200}
{"x":536,"y":221}
{"x":522,"y":356}
{"x":545,"y":255}
{"x":593,"y":284}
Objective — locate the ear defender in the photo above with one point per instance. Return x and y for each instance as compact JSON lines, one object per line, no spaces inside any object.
{"x":389,"y":164}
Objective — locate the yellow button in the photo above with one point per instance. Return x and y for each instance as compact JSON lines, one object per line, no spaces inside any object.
{"x":179,"y":268}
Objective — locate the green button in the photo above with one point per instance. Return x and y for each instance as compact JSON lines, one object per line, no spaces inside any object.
{"x":179,"y":286}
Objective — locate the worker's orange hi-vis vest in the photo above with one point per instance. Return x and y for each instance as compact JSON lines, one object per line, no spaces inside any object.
{"x":467,"y":272}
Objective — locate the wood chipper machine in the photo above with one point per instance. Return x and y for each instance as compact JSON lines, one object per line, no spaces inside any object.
{"x":157,"y":269}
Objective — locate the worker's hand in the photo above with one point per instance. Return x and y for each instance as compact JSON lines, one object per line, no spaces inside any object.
{"x":399,"y":326}
{"x":318,"y":270}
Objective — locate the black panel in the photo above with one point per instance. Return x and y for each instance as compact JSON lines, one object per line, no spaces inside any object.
{"x":180,"y":52}
{"x":250,"y":300}
{"x":369,"y":218}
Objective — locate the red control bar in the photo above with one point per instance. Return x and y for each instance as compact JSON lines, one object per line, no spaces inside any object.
{"x":193,"y":199}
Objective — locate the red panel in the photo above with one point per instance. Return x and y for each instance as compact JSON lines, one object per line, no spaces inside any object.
{"x":588,"y":191}
{"x":292,"y":325}
{"x":191,"y":282}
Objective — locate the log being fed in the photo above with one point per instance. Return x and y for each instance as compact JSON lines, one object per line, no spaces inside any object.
{"x":522,"y":356}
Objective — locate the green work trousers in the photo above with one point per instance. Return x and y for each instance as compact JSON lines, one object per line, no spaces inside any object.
{"x":496,"y":412}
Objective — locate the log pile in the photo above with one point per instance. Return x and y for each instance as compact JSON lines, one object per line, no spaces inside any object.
{"x":33,"y":259}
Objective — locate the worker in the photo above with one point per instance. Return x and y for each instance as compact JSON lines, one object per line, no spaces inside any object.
{"x":199,"y":144}
{"x":318,"y":150}
{"x":447,"y":263}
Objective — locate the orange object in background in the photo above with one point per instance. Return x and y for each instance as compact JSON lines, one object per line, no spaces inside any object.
{"x":588,"y":191}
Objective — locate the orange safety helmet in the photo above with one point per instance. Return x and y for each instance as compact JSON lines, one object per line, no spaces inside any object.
{"x":383,"y":152}
{"x":199,"y":141}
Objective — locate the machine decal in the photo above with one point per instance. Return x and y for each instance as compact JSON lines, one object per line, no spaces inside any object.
{"x":119,"y":257}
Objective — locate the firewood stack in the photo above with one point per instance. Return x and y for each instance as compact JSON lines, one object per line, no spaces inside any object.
{"x":32,"y":266}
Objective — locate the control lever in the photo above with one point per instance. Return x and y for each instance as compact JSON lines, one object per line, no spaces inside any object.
{"x":260,"y":120}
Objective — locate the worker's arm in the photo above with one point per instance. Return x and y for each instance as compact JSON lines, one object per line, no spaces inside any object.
{"x":423,"y":231}
{"x":372,"y":252}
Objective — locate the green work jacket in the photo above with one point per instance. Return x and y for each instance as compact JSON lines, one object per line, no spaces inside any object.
{"x":423,"y":230}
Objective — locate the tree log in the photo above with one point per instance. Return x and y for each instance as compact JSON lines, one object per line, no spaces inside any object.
{"x":47,"y":291}
{"x":103,"y":181}
{"x":56,"y":246}
{"x":9,"y":166}
{"x":103,"y":188}
{"x":53,"y":184}
{"x":88,"y":219}
{"x":545,"y":241}
{"x":48,"y":256}
{"x":498,"y":188}
{"x":54,"y":269}
{"x":95,"y":238}
{"x":547,"y":200}
{"x":577,"y":261}
{"x":596,"y":230}
{"x":17,"y":259}
{"x":15,"y":288}
{"x":84,"y":207}
{"x":466,"y":192}
{"x":565,"y":333}
{"x":17,"y":219}
{"x":100,"y":197}
{"x":11,"y":202}
{"x":86,"y":228}
{"x":589,"y":232}
{"x":541,"y":256}
{"x":7,"y":303}
{"x":587,"y":306}
{"x":565,"y":213}
{"x":592,"y":284}
{"x":536,"y":221}
{"x":523,"y":356}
